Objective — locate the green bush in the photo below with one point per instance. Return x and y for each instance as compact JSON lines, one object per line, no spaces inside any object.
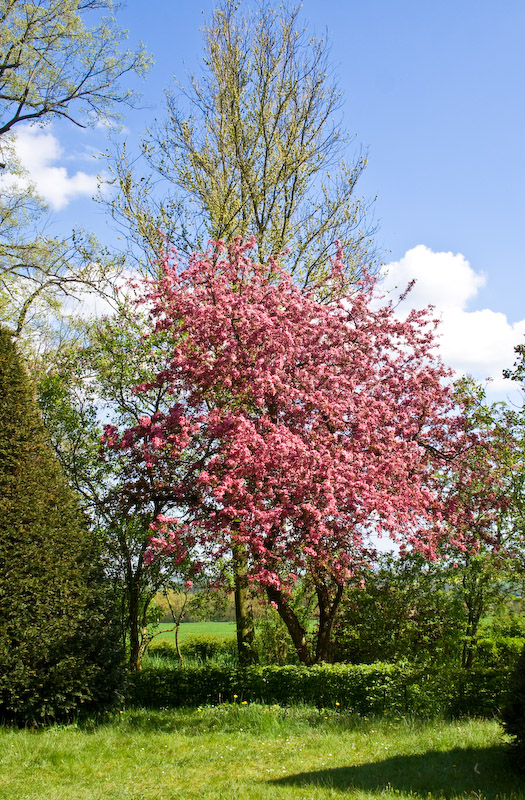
{"x":499,"y":651}
{"x":173,"y":687}
{"x":197,"y":650}
{"x":273,"y":642}
{"x":164,"y":649}
{"x":358,"y":688}
{"x":59,"y":649}
{"x":405,"y":611}
{"x":514,"y":711}
{"x":209,"y":648}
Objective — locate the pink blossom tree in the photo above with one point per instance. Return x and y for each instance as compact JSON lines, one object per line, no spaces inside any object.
{"x":306,"y":425}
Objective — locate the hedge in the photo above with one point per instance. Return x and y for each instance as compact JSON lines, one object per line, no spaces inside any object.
{"x":361,"y":688}
{"x":197,"y":648}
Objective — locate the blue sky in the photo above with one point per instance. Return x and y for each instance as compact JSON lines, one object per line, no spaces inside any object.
{"x":435,"y":93}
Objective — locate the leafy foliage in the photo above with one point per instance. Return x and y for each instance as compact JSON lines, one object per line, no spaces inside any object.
{"x":84,"y":384}
{"x":59,"y":644}
{"x":410,"y":608}
{"x":362,"y":688}
{"x":197,"y":650}
{"x":301,"y":428}
{"x":403,"y":610}
{"x":53,"y":65}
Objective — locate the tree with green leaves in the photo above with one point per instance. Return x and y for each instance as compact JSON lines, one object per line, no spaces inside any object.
{"x":485,"y":547}
{"x":513,"y":715}
{"x":59,"y":647}
{"x":252,"y":146}
{"x":53,"y":65}
{"x":403,"y":609}
{"x":93,"y":382}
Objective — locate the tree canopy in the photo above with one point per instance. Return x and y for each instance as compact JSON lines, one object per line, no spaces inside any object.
{"x":52,"y":65}
{"x":300,"y":429}
{"x":252,"y":146}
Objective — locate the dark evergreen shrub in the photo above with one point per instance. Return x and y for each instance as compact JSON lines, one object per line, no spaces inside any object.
{"x":58,"y":641}
{"x":514,"y":711}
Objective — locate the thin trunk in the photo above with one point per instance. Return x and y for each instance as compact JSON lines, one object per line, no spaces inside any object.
{"x":134,"y":630}
{"x":243,"y":616}
{"x":474,"y":603}
{"x":177,"y":644}
{"x":327,"y":611}
{"x":469,"y":645}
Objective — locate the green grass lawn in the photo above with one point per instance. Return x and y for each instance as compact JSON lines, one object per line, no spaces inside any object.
{"x":257,"y":752}
{"x":222,"y":630}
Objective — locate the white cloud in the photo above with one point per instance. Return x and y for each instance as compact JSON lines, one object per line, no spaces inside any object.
{"x":446,"y":280}
{"x":121,"y":291}
{"x":39,"y":151}
{"x":480,"y":343}
{"x":87,"y":305}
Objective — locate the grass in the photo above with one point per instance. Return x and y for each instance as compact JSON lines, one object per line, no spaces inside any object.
{"x":257,"y":752}
{"x":222,"y":630}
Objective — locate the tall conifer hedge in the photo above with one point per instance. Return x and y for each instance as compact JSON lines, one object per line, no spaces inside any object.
{"x":58,"y":643}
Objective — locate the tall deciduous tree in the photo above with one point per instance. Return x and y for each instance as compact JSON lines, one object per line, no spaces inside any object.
{"x":304,"y":427}
{"x":59,"y":647}
{"x":52,"y":65}
{"x":515,"y":423}
{"x":252,"y":146}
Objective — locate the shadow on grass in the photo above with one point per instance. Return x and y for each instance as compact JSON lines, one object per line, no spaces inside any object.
{"x":481,"y":773}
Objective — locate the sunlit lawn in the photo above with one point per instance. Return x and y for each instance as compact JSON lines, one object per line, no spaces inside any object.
{"x":257,"y":752}
{"x":222,"y":630}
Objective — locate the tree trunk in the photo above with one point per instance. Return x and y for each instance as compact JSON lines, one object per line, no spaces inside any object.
{"x":295,"y":629}
{"x":243,"y":616}
{"x":134,"y":630}
{"x":327,"y":611}
{"x":469,"y":645}
{"x":474,"y":601}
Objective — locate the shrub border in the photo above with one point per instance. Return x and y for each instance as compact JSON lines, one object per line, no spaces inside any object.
{"x":360,"y":688}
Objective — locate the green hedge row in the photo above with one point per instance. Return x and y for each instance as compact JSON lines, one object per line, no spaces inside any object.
{"x":361,"y":688}
{"x":198,"y":648}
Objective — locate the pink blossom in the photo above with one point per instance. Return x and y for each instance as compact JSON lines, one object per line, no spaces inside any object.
{"x":304,"y":428}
